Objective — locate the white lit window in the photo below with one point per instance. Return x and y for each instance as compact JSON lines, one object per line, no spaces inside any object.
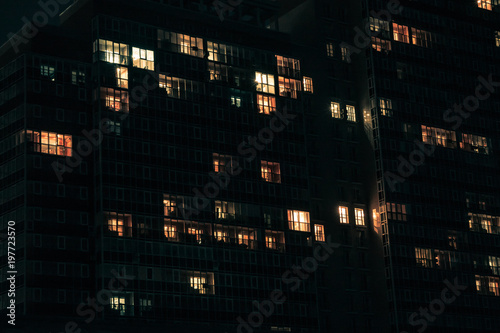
{"x":122,"y":77}
{"x":308,"y":84}
{"x":236,"y":101}
{"x":115,"y":53}
{"x":343,"y":215}
{"x":359,"y":216}
{"x":224,"y":209}
{"x":48,"y":72}
{"x":319,"y":232}
{"x":335,"y":109}
{"x":265,"y":82}
{"x":77,"y":77}
{"x":198,"y":283}
{"x":351,"y":112}
{"x":143,"y":58}
{"x":202,"y":283}
{"x":118,"y":303}
{"x":298,"y":220}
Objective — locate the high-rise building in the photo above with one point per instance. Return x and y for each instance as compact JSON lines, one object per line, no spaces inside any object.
{"x":252,"y":166}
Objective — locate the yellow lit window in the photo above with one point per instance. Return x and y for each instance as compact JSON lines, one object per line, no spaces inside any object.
{"x":197,"y":232}
{"x":198,"y":283}
{"x":344,"y":52}
{"x":119,"y":224}
{"x":266,"y":103}
{"x":377,"y":26}
{"x":225,"y":209}
{"x":115,"y":53}
{"x":288,"y":66}
{"x":217,"y":51}
{"x":118,"y":304}
{"x":308,"y":84}
{"x":221,"y":236}
{"x":400,"y":33}
{"x":484,"y":4}
{"x":122,"y":77}
{"x":181,"y":43}
{"x":50,"y":143}
{"x":177,"y":87}
{"x":359,"y":215}
{"x":329,"y":49}
{"x":170,"y":231}
{"x":439,"y":137}
{"x":265,"y":82}
{"x":116,"y":100}
{"x":351,"y":113}
{"x":222,"y":163}
{"x":385,"y":107}
{"x":421,"y":37}
{"x":169,"y":205}
{"x":484,"y":223}
{"x":343,"y":215}
{"x":270,"y":171}
{"x":271,"y":242}
{"x":77,"y":77}
{"x":298,"y":220}
{"x":201,"y":282}
{"x":289,"y":87}
{"x":379,"y":44}
{"x":424,"y":257}
{"x":475,"y":143}
{"x":497,"y":38}
{"x":319,"y":232}
{"x":143,"y":58}
{"x":245,"y":238}
{"x":335,"y":109}
{"x":218,"y":72}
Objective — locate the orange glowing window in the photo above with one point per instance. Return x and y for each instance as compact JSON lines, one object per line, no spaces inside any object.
{"x":170,"y":231}
{"x":119,"y":224}
{"x":484,"y":4}
{"x":319,"y":232}
{"x":265,"y":82}
{"x":439,"y":137}
{"x":50,"y":142}
{"x":359,"y":215}
{"x":343,"y":215}
{"x":379,"y":44}
{"x":298,"y":220}
{"x":266,"y":103}
{"x":400,"y":33}
{"x":115,"y":99}
{"x":421,"y":37}
{"x":270,"y":171}
{"x":122,"y":77}
{"x":308,"y":84}
{"x":289,"y":87}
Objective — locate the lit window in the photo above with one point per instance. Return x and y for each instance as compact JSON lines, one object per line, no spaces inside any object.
{"x":379,"y":44}
{"x":497,"y":38}
{"x":308,"y":84}
{"x":115,"y":53}
{"x":275,"y":240}
{"x":484,"y":4}
{"x":202,"y":283}
{"x":335,"y":109}
{"x":329,"y":49}
{"x":196,"y":232}
{"x":439,"y":137}
{"x":116,"y":100}
{"x":218,"y":72}
{"x":198,"y":283}
{"x":344,"y":53}
{"x":400,"y":33}
{"x":170,"y":231}
{"x":122,"y":77}
{"x":289,"y":87}
{"x":170,"y":205}
{"x":119,"y":224}
{"x":488,"y":285}
{"x":265,"y":82}
{"x":396,"y":211}
{"x":484,"y":223}
{"x":359,"y":215}
{"x":474,"y":143}
{"x":270,"y":171}
{"x":385,"y":107}
{"x":223,"y":163}
{"x":143,"y":58}
{"x":181,"y":43}
{"x":221,"y":236}
{"x":424,"y":257}
{"x":266,"y":103}
{"x":298,"y":220}
{"x":377,"y":26}
{"x":236,"y":101}
{"x":178,"y":88}
{"x":48,"y":72}
{"x":421,"y":37}
{"x":494,"y":264}
{"x":50,"y":143}
{"x":245,"y":238}
{"x":118,"y":304}
{"x":351,"y":112}
{"x":343,"y":215}
{"x":271,"y":242}
{"x":221,"y":52}
{"x":288,"y":66}
{"x":224,"y":209}
{"x":319,"y":232}
{"x":77,"y":77}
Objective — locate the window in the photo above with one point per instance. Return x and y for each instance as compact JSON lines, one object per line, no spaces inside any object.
{"x":329,"y":50}
{"x":182,"y":43}
{"x":288,"y":66}
{"x":115,"y":99}
{"x":438,"y":137}
{"x":224,"y":209}
{"x":380,"y":45}
{"x":351,"y":112}
{"x":494,"y":264}
{"x":201,"y":283}
{"x":122,"y":77}
{"x":423,"y":257}
{"x":119,"y":224}
{"x":343,"y":215}
{"x":221,"y":162}
{"x":344,"y":53}
{"x":400,"y":33}
{"x":171,"y":204}
{"x":265,"y":82}
{"x":385,"y":107}
{"x":484,"y":223}
{"x":118,"y":304}
{"x":266,"y":103}
{"x":143,"y":58}
{"x":271,"y":242}
{"x":196,"y":232}
{"x":236,"y":101}
{"x":178,"y":88}
{"x":484,"y":4}
{"x":270,"y":171}
{"x":319,"y":232}
{"x":50,"y":143}
{"x":488,"y":285}
{"x":298,"y":220}
{"x":359,"y":215}
{"x":497,"y":38}
{"x":289,"y":87}
{"x":421,"y":37}
{"x":170,"y":231}
{"x":308,"y":84}
{"x":335,"y":109}
{"x":396,"y":211}
{"x":115,"y":53}
{"x":47,"y":72}
{"x":474,"y":143}
{"x":77,"y":77}
{"x":218,"y":72}
{"x":275,"y":240}
{"x":379,"y":26}
{"x":145,"y":304}
{"x":245,"y":237}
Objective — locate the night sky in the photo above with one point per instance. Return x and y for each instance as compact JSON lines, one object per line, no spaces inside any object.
{"x":12,"y":12}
